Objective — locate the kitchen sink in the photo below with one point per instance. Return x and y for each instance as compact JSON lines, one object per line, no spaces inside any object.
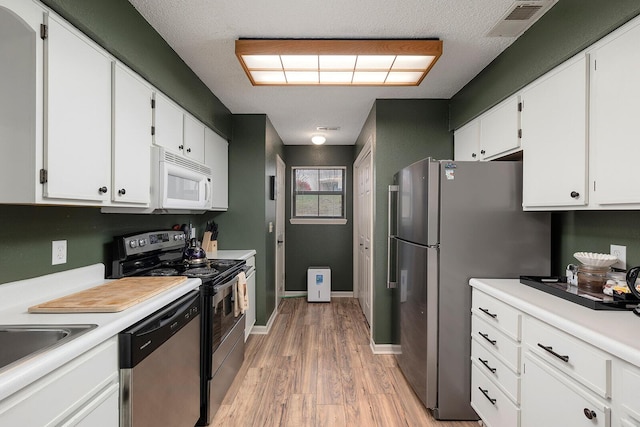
{"x":22,"y":342}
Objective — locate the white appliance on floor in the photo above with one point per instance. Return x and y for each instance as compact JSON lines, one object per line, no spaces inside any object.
{"x":319,"y":284}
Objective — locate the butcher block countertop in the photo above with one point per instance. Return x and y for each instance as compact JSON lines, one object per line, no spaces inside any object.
{"x":17,"y":297}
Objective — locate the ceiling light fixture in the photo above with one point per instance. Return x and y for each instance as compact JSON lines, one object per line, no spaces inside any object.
{"x":318,"y":139}
{"x":304,"y":62}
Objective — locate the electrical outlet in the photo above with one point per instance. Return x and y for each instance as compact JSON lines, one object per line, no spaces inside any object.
{"x":58,"y":252}
{"x":619,"y":252}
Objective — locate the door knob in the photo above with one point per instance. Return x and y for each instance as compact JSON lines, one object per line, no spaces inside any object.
{"x":102,"y":190}
{"x":575,"y":194}
{"x":589,"y":413}
{"x":122,"y":192}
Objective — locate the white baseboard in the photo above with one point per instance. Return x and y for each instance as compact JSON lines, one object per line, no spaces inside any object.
{"x":334,"y":294}
{"x":264,"y":330}
{"x":384,"y":348}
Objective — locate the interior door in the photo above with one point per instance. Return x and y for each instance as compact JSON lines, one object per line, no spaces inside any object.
{"x":280,"y":195}
{"x":364,"y":235}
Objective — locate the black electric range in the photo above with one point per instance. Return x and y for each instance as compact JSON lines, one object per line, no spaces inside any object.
{"x":159,"y":253}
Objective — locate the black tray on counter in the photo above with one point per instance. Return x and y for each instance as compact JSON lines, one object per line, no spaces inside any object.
{"x":558,"y":286}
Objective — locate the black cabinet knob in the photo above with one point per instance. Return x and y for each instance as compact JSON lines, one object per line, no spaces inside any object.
{"x":482,"y":151}
{"x":102,"y":190}
{"x":188,"y":150}
{"x":575,"y":194}
{"x":122,"y":192}
{"x":474,"y":155}
{"x":180,"y":147}
{"x":589,"y":413}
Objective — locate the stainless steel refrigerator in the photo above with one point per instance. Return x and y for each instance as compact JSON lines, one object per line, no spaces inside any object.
{"x":455,"y":221}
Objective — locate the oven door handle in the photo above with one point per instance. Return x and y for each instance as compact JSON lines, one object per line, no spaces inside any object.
{"x":220,"y":290}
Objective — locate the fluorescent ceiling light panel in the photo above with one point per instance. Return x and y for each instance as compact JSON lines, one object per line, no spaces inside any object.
{"x":337,"y":62}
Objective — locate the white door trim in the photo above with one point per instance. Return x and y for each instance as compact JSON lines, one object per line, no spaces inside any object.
{"x":280,"y":194}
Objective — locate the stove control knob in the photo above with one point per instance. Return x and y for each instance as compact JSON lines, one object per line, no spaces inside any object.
{"x":142,"y":242}
{"x":133,"y":243}
{"x":176,"y":237}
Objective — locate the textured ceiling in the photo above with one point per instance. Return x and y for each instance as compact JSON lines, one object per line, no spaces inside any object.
{"x":203,"y":33}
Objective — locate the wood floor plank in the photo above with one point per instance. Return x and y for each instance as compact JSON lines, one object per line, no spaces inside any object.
{"x":316,"y":368}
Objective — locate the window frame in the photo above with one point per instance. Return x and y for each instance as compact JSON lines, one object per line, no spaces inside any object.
{"x":319,"y":219}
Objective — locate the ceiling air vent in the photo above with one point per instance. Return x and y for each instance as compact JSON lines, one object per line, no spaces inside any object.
{"x":520,"y":16}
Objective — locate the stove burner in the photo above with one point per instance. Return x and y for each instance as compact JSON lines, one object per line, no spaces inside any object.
{"x":224,"y":262}
{"x":164,"y":272}
{"x":200,"y":272}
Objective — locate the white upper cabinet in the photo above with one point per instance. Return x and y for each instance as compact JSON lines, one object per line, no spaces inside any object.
{"x":216,"y":154}
{"x":132,"y":121}
{"x":615,"y":91}
{"x":168,"y":122}
{"x":467,"y":141}
{"x":77,"y":158}
{"x":499,"y":129}
{"x":554,"y":137}
{"x":193,"y":146}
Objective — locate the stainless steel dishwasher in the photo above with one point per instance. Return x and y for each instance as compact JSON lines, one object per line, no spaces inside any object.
{"x":160,"y":367}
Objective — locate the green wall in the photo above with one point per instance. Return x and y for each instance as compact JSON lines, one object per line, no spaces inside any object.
{"x":252,"y":158}
{"x":568,"y":28}
{"x":404,"y":131}
{"x":319,"y":245}
{"x":25,"y":240}
{"x":118,"y":27}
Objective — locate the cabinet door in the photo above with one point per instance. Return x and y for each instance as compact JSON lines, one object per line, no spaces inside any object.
{"x":251,"y":310}
{"x":132,"y":121}
{"x":466,"y":141}
{"x":554,"y":138}
{"x":168,"y":124}
{"x":499,"y":129}
{"x":77,"y":116}
{"x":193,"y":139}
{"x":552,"y":399}
{"x":216,"y":156}
{"x":615,"y":90}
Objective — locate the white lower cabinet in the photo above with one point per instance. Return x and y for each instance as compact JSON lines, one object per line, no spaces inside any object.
{"x":496,"y":330}
{"x":250,"y":319}
{"x":550,"y":398}
{"x":83,"y":392}
{"x":627,"y":393}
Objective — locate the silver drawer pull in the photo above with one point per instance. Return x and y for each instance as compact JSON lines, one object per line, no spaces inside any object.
{"x":550,"y":350}
{"x":486,"y":337}
{"x":486,"y":394}
{"x":487,"y":312}
{"x":486,"y":364}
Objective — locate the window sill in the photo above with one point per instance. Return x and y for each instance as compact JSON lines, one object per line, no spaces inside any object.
{"x":318,"y":221}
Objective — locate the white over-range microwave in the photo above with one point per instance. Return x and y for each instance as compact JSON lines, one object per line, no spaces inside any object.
{"x":178,"y":185}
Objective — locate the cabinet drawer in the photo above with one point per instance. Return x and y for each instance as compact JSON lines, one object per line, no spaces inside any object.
{"x":629,"y":397}
{"x":491,"y":404}
{"x":497,"y":313}
{"x":496,"y":370}
{"x":501,"y":345}
{"x":60,"y":394}
{"x":549,"y":398}
{"x":579,"y":360}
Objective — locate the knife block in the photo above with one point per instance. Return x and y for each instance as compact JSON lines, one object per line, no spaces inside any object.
{"x":209,"y":246}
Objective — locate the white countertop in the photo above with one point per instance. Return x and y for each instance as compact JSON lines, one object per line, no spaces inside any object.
{"x":615,"y":332}
{"x":17,"y":297}
{"x":244,"y":254}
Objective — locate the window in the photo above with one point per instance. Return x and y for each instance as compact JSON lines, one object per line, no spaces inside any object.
{"x":318,"y":195}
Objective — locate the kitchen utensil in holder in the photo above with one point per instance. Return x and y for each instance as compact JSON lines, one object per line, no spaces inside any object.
{"x":210,"y":246}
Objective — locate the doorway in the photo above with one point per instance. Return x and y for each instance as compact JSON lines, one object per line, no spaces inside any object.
{"x":363,"y":227}
{"x":280,"y":208}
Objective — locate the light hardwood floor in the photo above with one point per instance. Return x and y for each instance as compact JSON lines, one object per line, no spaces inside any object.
{"x":315,"y":368}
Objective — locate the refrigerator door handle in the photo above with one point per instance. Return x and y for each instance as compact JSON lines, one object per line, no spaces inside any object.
{"x":392,"y":280}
